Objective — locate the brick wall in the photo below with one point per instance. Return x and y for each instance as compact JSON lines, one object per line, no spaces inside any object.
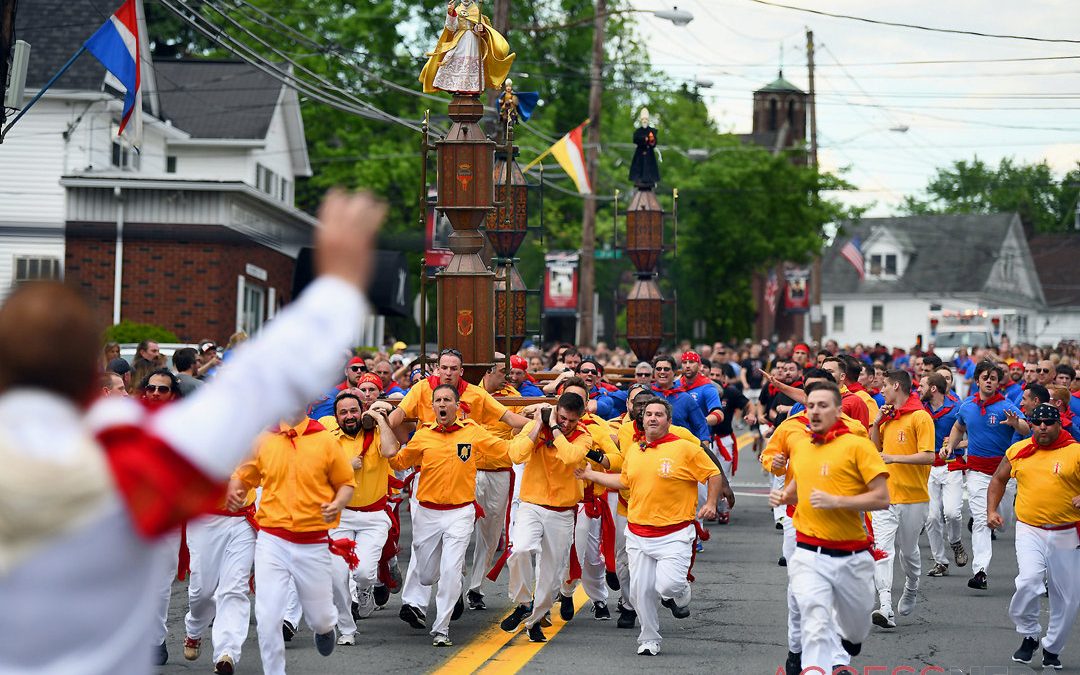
{"x":180,"y":277}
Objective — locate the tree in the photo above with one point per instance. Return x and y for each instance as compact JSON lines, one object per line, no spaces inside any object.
{"x":1044,"y":202}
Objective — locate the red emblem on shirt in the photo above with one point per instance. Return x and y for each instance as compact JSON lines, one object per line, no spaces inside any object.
{"x":464,"y":322}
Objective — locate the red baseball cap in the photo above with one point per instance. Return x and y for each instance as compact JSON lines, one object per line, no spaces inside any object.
{"x":518,"y":362}
{"x":372,"y":378}
{"x":354,"y":360}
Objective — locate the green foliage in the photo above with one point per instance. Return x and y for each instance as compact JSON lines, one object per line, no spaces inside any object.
{"x":1044,"y":202}
{"x":131,"y":331}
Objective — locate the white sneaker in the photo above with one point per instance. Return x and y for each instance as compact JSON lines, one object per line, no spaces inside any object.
{"x":883,"y":618}
{"x":907,"y":602}
{"x":347,"y":639}
{"x":366,"y":601}
{"x":648,"y":649}
{"x":441,"y":640}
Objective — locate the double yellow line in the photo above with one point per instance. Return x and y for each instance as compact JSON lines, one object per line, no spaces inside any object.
{"x":495,"y":652}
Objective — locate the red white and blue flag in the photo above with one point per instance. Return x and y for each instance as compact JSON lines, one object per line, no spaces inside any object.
{"x":772,"y":290}
{"x":116,"y":45}
{"x":852,"y":252}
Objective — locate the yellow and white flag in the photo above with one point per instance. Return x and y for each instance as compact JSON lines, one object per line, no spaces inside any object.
{"x":569,"y":152}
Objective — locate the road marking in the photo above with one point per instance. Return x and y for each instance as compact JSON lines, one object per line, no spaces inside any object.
{"x":512,"y":659}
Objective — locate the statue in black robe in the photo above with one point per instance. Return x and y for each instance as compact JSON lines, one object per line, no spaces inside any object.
{"x":644,"y":169}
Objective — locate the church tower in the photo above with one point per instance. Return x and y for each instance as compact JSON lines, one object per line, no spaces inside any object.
{"x":780,"y":115}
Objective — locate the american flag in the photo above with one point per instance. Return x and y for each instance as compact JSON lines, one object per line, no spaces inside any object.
{"x":853,"y":254}
{"x":772,"y":291}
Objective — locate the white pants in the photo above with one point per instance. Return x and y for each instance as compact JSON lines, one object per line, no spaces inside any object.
{"x":658,"y":567}
{"x":945,"y":518}
{"x":981,"y":550}
{"x":622,"y":565}
{"x":307,"y":566}
{"x":547,"y":535}
{"x":439,"y":542}
{"x":222,"y":552}
{"x":896,"y":532}
{"x":590,"y":558}
{"x":794,"y":619}
{"x":412,"y":591}
{"x":493,"y":495}
{"x":835,"y":597}
{"x":779,"y":512}
{"x":368,"y":529}
{"x":725,"y":465}
{"x":1056,"y":555}
{"x":167,"y":556}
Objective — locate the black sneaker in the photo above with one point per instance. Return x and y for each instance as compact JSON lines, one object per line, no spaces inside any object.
{"x":971,"y":524}
{"x":545,"y":621}
{"x":612,"y":580}
{"x":793,"y":665}
{"x":459,"y":609}
{"x":782,"y":562}
{"x":412,"y":616}
{"x":511,"y":623}
{"x":978,"y":582}
{"x":1026,"y":651}
{"x":161,"y":656}
{"x":476,"y":600}
{"x":779,"y":526}
{"x":536,"y":633}
{"x":600,"y":611}
{"x":852,"y":648}
{"x":355,"y":611}
{"x":1051,"y":660}
{"x":566,"y":607}
{"x":381,"y":595}
{"x":676,"y":611}
{"x":287,"y":631}
{"x":627,"y":617}
{"x":325,"y":642}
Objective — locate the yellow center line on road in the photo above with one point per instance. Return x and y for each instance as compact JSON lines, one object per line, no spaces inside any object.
{"x":486,"y":654}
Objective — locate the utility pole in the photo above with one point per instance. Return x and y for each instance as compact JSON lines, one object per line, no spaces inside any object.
{"x":817,"y":332}
{"x":586,"y":310}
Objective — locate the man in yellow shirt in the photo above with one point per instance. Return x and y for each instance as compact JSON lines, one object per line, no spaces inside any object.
{"x":1047,"y":472}
{"x":661,"y":475}
{"x":306,"y":482}
{"x":365,"y":519}
{"x":448,"y":451}
{"x":904,"y":433}
{"x":838,"y":475}
{"x":554,"y":445}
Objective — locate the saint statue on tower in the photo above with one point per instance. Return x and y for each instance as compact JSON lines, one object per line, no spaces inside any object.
{"x":470,"y":56}
{"x":644,"y":170}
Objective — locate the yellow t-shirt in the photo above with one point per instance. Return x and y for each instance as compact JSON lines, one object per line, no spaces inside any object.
{"x":627,"y":443}
{"x":1046,"y":482}
{"x":871,"y":404}
{"x":843,"y":466}
{"x":502,"y":430}
{"x":548,"y":477}
{"x":476,"y":404}
{"x":910,"y":434}
{"x":298,"y":476}
{"x":662,"y":481}
{"x":795,"y":427}
{"x":372,"y":478}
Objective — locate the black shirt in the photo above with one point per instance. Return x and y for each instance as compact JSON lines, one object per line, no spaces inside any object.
{"x":731,"y":401}
{"x":752,"y":367}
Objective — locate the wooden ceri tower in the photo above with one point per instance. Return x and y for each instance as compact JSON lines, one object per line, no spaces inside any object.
{"x":466,"y":194}
{"x":506,"y":228}
{"x":645,"y":303}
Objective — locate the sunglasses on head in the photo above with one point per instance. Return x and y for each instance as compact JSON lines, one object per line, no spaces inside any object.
{"x":451,"y":352}
{"x":158,"y":388}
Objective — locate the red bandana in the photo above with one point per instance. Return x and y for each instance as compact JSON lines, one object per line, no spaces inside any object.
{"x":1061,"y":441}
{"x":983,"y":405}
{"x":447,"y":429}
{"x":434,"y":381}
{"x":945,"y":409}
{"x":669,"y":392}
{"x":855,"y":386}
{"x":698,"y":381}
{"x":911,"y":405}
{"x":837,"y":430}
{"x":666,"y":438}
{"x":291,"y":432}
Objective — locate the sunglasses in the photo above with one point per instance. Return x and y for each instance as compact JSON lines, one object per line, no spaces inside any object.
{"x":591,"y":371}
{"x":358,"y":369}
{"x":1043,"y":370}
{"x":451,"y":352}
{"x":661,"y":369}
{"x":1043,"y":423}
{"x":157,"y":388}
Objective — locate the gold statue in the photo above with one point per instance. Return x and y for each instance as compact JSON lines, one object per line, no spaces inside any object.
{"x":470,"y":57}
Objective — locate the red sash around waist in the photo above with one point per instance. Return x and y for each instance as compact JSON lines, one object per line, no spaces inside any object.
{"x":657,"y":530}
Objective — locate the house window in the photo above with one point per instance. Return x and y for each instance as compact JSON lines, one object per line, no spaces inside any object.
{"x":30,"y":269}
{"x":875,"y":265}
{"x":838,"y":318}
{"x":254,"y":308}
{"x":877,"y":317}
{"x":890,"y":265}
{"x":170,"y":164}
{"x":123,"y":155}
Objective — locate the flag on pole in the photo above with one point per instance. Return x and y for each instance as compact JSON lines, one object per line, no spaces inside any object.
{"x":116,"y":45}
{"x":772,"y":291}
{"x":569,"y":152}
{"x":852,"y":252}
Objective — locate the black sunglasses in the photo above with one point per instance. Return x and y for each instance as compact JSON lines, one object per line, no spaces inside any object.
{"x":358,"y":368}
{"x":451,"y":352}
{"x":591,"y":371}
{"x":159,"y":388}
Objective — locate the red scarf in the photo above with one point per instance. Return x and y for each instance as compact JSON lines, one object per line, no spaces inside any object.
{"x":1076,"y":394}
{"x":291,"y":433}
{"x":945,"y":409}
{"x":698,"y":381}
{"x":454,"y":426}
{"x":855,"y":386}
{"x":911,"y":405}
{"x":548,"y":437}
{"x":837,"y":430}
{"x":434,"y":381}
{"x":983,"y":405}
{"x":669,"y":392}
{"x":1063,"y":439}
{"x":666,"y":438}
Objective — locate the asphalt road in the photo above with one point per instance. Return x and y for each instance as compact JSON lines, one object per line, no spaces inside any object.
{"x":737,"y":623}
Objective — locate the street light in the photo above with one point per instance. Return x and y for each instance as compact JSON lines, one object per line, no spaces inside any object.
{"x":679,"y":17}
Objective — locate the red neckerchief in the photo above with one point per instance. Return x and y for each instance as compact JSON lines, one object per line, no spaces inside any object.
{"x":669,"y":392}
{"x":433,"y":381}
{"x":291,"y":432}
{"x":666,"y":438}
{"x":1076,"y":394}
{"x":875,"y":392}
{"x":548,"y":437}
{"x":855,"y":386}
{"x":698,"y":381}
{"x":597,"y":394}
{"x":940,"y":413}
{"x":802,"y":418}
{"x":452,"y":427}
{"x":910,"y":405}
{"x":837,"y":430}
{"x":1066,"y":419}
{"x":587,"y":420}
{"x":990,"y":401}
{"x":1061,"y":441}
{"x":369,"y":438}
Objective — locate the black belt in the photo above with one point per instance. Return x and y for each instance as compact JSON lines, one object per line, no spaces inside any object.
{"x":831,"y":552}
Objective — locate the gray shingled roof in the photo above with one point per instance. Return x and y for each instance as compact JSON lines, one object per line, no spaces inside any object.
{"x":952,"y":254}
{"x":55,"y":29}
{"x":1055,"y":257}
{"x":198,"y":97}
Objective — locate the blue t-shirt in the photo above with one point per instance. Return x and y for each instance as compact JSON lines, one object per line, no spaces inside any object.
{"x":705,"y":395}
{"x":612,"y":405}
{"x":944,"y":419}
{"x":1014,"y":392}
{"x":529,"y":389}
{"x":879,"y":398}
{"x":987,"y":437}
{"x":796,"y":409}
{"x":324,"y":405}
{"x":686,"y":413}
{"x":1074,"y":405}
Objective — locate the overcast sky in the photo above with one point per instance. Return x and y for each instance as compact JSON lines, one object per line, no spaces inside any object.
{"x":1022,"y":109}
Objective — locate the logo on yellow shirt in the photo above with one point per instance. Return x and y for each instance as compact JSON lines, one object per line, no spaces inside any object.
{"x":665,"y":468}
{"x":464,"y":451}
{"x":1057,"y":468}
{"x":825,"y":469}
{"x":901,"y":436}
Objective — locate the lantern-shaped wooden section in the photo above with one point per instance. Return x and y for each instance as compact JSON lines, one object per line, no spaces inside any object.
{"x":645,"y":303}
{"x":644,"y":231}
{"x":506,"y":228}
{"x":466,"y":192}
{"x":645,"y":317}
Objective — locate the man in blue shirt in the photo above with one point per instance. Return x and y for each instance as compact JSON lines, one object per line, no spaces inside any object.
{"x":607,"y":406}
{"x":700,"y":388}
{"x":946,"y":485}
{"x":1014,"y":386}
{"x":985,"y":419}
{"x":519,"y":377}
{"x":685,"y":410}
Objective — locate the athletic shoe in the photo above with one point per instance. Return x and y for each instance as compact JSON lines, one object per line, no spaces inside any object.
{"x":545,"y":621}
{"x":441,"y":640}
{"x":978,"y":582}
{"x":960,"y":556}
{"x":381,"y":595}
{"x":993,"y":535}
{"x":224,"y":665}
{"x":1026,"y":651}
{"x":536,"y":633}
{"x":1051,"y":660}
{"x":852,"y":648}
{"x":940,"y":570}
{"x":191,"y":648}
{"x":412,"y":616}
{"x":699,"y":547}
{"x":287,"y":630}
{"x":612,"y":580}
{"x":459,"y":609}
{"x":907,"y":602}
{"x":723,"y":518}
{"x":782,"y":562}
{"x":648,"y":649}
{"x":971,"y":524}
{"x":676,"y":611}
{"x":366,"y":605}
{"x":600,"y":611}
{"x":162,"y":655}
{"x":324,"y":642}
{"x":627,"y":617}
{"x":793,"y":665}
{"x":566,"y":607}
{"x":882,"y":619}
{"x":780,"y":526}
{"x":347,"y":639}
{"x":476,"y":600}
{"x":511,"y":622}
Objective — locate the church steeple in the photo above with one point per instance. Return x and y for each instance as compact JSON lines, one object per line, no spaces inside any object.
{"x":780,"y":108}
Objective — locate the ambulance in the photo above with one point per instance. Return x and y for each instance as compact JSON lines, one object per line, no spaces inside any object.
{"x":953,"y":329}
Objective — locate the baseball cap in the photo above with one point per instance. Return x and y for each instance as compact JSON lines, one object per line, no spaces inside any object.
{"x":519,"y":362}
{"x":207,"y":346}
{"x":1016,"y":365}
{"x":400,"y":346}
{"x":119,"y":366}
{"x":372,"y":378}
{"x":1044,"y":412}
